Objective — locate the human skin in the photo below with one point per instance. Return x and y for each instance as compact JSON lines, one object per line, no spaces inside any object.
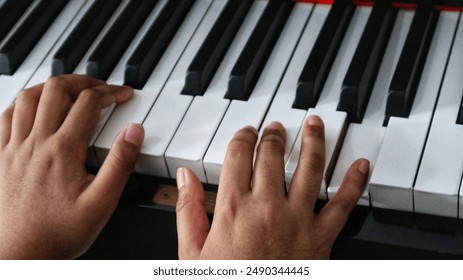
{"x":254,"y":217}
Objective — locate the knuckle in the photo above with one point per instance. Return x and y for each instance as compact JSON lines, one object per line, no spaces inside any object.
{"x":89,"y":96}
{"x":61,"y":146}
{"x":187,"y":200}
{"x":120,"y":163}
{"x":271,"y":143}
{"x":271,"y":213}
{"x":345,"y":205}
{"x":26,"y":95}
{"x":56,"y":83}
{"x":316,"y":162}
{"x":228,"y":210}
{"x":182,"y":203}
{"x":65,"y":148}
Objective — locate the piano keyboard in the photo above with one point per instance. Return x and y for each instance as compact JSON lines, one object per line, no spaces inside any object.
{"x":384,"y":76}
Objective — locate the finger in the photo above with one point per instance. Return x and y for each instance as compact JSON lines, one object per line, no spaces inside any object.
{"x":58,"y":95}
{"x":192,"y":222}
{"x":269,"y":169}
{"x":5,"y":125}
{"x":334,"y":215}
{"x":25,"y":111}
{"x":104,"y":192}
{"x":236,"y":174}
{"x":307,"y":179}
{"x":84,"y":115}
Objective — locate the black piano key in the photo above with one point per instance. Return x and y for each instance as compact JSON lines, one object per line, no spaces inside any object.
{"x":114,"y":43}
{"x":460,"y":113}
{"x":252,"y":59}
{"x":82,"y":36}
{"x":404,"y":84}
{"x":153,"y":45}
{"x":361,"y":75}
{"x":17,"y":46}
{"x":207,"y":60}
{"x":10,"y":12}
{"x":318,"y":65}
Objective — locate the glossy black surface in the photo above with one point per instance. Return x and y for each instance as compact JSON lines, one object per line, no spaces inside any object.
{"x":18,"y":46}
{"x":407,"y":75}
{"x":153,"y":45}
{"x":253,"y":58}
{"x":10,"y":12}
{"x":71,"y":52}
{"x":207,"y":60}
{"x":361,"y":75}
{"x":140,"y":229}
{"x":116,"y":40}
{"x":324,"y":51}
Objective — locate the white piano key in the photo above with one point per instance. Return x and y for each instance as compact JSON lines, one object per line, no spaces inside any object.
{"x":18,"y":22}
{"x":81,"y":67}
{"x":281,"y":108}
{"x":11,"y":85}
{"x":326,"y":107}
{"x":437,"y":184}
{"x":44,"y":71}
{"x":136,"y":110}
{"x":116,"y":78}
{"x":364,"y":140}
{"x":170,"y":107}
{"x":252,"y":112}
{"x":200,"y":123}
{"x":392,"y":179}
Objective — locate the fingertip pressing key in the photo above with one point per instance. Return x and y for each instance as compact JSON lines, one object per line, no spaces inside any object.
{"x":314,"y":120}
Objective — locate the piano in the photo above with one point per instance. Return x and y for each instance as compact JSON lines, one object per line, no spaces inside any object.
{"x":383,"y":75}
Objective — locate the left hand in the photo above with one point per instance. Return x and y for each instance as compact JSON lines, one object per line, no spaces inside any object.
{"x":50,"y":207}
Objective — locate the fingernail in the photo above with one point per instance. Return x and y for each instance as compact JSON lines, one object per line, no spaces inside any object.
{"x":314,"y":120}
{"x":180,"y":178}
{"x":134,"y":133}
{"x":364,"y":167}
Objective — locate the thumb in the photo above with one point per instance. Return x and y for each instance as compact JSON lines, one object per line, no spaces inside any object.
{"x":113,"y":175}
{"x":192,"y":222}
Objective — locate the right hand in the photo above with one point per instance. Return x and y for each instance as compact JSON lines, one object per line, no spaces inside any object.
{"x":254,"y":217}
